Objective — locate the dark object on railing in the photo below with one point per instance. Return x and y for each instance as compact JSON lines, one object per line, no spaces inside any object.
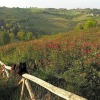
{"x":20,"y":68}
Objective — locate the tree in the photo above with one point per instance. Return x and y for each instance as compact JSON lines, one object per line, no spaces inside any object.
{"x":21,"y":35}
{"x":79,"y":27}
{"x":6,"y":38}
{"x":12,"y":37}
{"x":8,"y":26}
{"x":29,"y":36}
{"x":90,"y":24}
{"x":14,"y":30}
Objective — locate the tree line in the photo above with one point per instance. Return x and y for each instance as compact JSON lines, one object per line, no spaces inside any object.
{"x":88,"y":24}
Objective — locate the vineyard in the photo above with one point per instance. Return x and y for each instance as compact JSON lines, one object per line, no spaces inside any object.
{"x":68,"y":60}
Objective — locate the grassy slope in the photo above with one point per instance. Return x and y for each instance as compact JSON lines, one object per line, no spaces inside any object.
{"x":46,"y":20}
{"x":70,"y":57}
{"x":91,"y":35}
{"x":48,"y":47}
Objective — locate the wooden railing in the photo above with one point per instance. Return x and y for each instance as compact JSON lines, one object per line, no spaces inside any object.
{"x":58,"y":91}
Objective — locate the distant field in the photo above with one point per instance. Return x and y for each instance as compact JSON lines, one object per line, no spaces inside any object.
{"x":46,"y":21}
{"x":43,"y":21}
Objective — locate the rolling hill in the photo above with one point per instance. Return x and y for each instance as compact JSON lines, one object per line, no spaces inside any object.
{"x":64,"y":57}
{"x":45,"y":21}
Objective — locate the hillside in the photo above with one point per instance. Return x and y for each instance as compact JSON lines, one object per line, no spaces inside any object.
{"x":68,"y":60}
{"x":53,"y":50}
{"x":24,"y":24}
{"x":44,"y":21}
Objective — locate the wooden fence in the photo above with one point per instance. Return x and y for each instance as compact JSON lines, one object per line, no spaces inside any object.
{"x":24,"y":81}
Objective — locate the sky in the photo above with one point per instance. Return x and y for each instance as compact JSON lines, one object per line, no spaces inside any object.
{"x":69,"y":4}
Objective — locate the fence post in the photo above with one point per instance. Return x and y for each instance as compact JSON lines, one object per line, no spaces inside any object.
{"x":29,"y":89}
{"x":23,"y":88}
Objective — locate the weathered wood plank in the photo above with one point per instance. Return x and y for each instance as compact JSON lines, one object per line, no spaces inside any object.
{"x":6,"y":68}
{"x":29,"y":89}
{"x":23,"y":88}
{"x":58,"y":91}
{"x":20,"y":82}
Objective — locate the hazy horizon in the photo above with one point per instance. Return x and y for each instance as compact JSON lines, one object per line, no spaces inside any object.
{"x":82,"y":4}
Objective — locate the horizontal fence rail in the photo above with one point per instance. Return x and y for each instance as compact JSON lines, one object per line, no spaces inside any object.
{"x":58,"y":91}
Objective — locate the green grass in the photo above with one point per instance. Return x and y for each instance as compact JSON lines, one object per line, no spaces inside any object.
{"x":46,"y":21}
{"x":66,"y":60}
